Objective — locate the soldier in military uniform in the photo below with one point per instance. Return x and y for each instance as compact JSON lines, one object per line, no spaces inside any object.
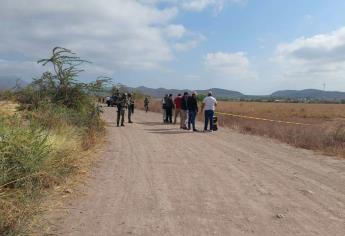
{"x":130,"y":106}
{"x":146,"y":104}
{"x":121,"y":107}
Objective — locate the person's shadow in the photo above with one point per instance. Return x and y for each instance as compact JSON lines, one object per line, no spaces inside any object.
{"x":152,"y":123}
{"x":167,"y":131}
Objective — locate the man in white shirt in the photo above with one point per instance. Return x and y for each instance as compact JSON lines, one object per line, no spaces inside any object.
{"x":209,"y":105}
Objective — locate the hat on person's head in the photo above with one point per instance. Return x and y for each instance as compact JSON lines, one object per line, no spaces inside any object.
{"x":194,"y":93}
{"x":185,"y":93}
{"x":179,"y":94}
{"x":209,"y":93}
{"x":170,"y":95}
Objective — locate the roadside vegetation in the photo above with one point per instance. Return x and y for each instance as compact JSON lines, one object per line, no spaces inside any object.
{"x":44,"y":129}
{"x":325,"y":134}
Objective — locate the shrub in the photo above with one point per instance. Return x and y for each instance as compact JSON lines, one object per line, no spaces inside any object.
{"x":38,"y":147}
{"x":23,"y":152}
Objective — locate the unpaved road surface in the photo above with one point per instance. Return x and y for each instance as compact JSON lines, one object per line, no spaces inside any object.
{"x":153,"y":179}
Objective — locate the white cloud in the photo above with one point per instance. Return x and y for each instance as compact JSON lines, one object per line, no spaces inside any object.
{"x":191,"y":41}
{"x":199,"y":5}
{"x":175,"y":31}
{"x":318,"y":57}
{"x":232,"y":65}
{"x":114,"y":34}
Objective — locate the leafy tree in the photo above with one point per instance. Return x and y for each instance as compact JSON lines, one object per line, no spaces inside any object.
{"x":61,"y":86}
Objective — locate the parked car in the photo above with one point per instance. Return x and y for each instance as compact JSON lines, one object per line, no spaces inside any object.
{"x":109,"y":101}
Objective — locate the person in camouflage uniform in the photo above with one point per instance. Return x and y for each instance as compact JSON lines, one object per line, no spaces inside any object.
{"x":121,"y":107}
{"x":146,"y":104}
{"x":130,"y":104}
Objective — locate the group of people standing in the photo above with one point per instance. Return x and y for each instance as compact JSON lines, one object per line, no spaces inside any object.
{"x":186,"y":106}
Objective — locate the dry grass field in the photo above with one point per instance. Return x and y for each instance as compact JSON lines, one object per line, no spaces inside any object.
{"x":326,"y":134}
{"x":307,"y":113}
{"x":41,"y":154}
{"x":7,"y":108}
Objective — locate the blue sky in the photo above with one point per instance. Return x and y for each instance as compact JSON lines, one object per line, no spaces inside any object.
{"x":252,"y":46}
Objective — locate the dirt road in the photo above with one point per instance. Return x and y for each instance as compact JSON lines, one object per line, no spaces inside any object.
{"x":154,"y":179}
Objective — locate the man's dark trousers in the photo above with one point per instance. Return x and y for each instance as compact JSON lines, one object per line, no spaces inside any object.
{"x":169,"y":114}
{"x":191,"y":119}
{"x":120,"y":114}
{"x":209,"y":117}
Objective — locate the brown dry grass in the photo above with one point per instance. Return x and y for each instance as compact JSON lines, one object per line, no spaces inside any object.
{"x":67,"y":163}
{"x":154,"y":106}
{"x":55,"y":202}
{"x":325,"y":135}
{"x":315,"y":113}
{"x":7,"y":108}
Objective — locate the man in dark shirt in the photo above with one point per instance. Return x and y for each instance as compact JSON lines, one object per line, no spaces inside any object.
{"x":192,"y":110}
{"x":184,"y":110}
{"x":169,"y":109}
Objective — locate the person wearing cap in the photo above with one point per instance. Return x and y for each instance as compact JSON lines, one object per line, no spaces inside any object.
{"x":209,"y":105}
{"x":192,"y":111}
{"x":184,"y":110}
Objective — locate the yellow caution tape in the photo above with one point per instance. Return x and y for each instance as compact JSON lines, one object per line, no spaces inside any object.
{"x":264,"y":119}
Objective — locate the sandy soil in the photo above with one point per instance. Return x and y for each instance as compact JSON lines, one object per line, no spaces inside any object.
{"x":153,"y":179}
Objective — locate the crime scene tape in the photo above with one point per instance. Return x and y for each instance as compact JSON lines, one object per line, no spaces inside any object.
{"x":263,"y":119}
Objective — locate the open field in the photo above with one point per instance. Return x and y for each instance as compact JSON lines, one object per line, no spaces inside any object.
{"x":325,"y":134}
{"x":300,"y":112}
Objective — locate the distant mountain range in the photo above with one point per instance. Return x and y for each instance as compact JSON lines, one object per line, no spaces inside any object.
{"x":309,"y":94}
{"x":10,"y":82}
{"x":160,"y":92}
